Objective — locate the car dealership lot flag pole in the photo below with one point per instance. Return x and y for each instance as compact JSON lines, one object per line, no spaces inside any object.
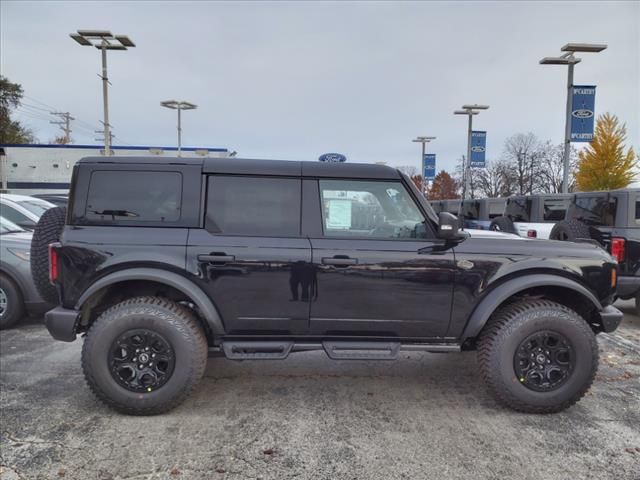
{"x":470,"y":111}
{"x":570,"y":60}
{"x":424,"y":141}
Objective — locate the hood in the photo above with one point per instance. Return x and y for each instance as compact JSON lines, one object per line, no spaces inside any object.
{"x":18,"y":239}
{"x":492,"y":234}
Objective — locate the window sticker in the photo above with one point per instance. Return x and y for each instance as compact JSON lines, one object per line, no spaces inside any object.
{"x":339,"y":214}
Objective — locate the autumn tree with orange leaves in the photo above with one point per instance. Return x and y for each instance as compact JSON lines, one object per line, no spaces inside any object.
{"x":444,"y":187}
{"x":604,"y":164}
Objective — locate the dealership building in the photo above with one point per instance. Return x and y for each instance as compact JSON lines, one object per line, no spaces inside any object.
{"x":41,"y":168}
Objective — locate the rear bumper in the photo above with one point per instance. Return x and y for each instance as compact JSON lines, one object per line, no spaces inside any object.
{"x":611,"y":318}
{"x":628,"y":286}
{"x":61,"y":323}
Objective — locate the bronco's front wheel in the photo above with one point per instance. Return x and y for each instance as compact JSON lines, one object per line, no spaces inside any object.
{"x":143,"y":356}
{"x":538,"y":356}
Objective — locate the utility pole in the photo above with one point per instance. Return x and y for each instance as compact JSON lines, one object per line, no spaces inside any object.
{"x":569,"y":59}
{"x":179,"y":106}
{"x":104,"y":40}
{"x":423,"y":141}
{"x":64,"y":123}
{"x":470,"y":111}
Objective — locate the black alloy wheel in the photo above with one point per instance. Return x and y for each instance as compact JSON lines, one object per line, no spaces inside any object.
{"x":141,"y":360}
{"x":544,"y":361}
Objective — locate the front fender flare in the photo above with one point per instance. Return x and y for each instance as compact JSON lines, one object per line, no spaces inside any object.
{"x":499,"y":294}
{"x":171,"y":279}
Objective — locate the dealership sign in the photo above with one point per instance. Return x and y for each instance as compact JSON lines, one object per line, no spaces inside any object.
{"x":478,"y":148}
{"x":583,"y":102}
{"x":332,"y":158}
{"x":429,"y":166}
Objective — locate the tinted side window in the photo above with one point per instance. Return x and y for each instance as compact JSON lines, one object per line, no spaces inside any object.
{"x":256,"y":206}
{"x":134,"y":196}
{"x":637,"y":211}
{"x":471,"y":209}
{"x":519,"y":209}
{"x":596,"y":210}
{"x":555,"y":209}
{"x":496,"y":209}
{"x":354,"y":208}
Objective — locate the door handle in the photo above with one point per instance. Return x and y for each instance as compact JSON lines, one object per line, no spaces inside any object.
{"x":339,"y":261}
{"x":216,"y":258}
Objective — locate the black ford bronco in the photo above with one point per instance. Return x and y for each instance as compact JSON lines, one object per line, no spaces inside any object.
{"x":159,"y":263}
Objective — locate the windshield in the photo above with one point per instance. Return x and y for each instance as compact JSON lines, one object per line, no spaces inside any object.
{"x":35,"y":206}
{"x":7,"y":226}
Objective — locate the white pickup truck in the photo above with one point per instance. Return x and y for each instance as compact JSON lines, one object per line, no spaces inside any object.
{"x":532,"y":216}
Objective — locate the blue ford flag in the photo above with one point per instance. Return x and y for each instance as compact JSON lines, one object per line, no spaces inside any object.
{"x":582,"y":112}
{"x":478,"y":147}
{"x":429,"y":166}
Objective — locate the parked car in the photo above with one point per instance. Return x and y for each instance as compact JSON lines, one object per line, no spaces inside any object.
{"x":57,"y":199}
{"x":256,"y":259}
{"x":612,"y":219}
{"x":479,"y":213}
{"x":17,"y":291}
{"x":22,"y":209}
{"x":532,"y":216}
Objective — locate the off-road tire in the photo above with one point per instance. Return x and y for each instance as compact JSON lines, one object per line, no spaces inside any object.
{"x":570,"y":231}
{"x":510,"y":326}
{"x":502,"y":224}
{"x":175,"y":323}
{"x":14,"y":308}
{"x":47,"y":231}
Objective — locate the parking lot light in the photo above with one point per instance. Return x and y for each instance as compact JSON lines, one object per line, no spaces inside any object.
{"x":570,"y":61}
{"x":470,"y":110}
{"x":423,"y":141}
{"x":179,"y":106}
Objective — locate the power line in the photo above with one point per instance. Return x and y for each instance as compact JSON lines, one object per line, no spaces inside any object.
{"x":64,"y":123}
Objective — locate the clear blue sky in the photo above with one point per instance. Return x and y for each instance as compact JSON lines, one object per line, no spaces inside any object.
{"x":294,"y":80}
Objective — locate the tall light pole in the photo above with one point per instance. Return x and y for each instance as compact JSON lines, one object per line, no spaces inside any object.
{"x":423,"y":141}
{"x":179,"y":106}
{"x":103,"y":40}
{"x":569,"y":59}
{"x":470,"y":111}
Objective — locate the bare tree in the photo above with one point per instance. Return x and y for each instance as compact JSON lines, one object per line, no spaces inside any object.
{"x":496,"y":180}
{"x":474,"y":174}
{"x":522,"y":151}
{"x":549,"y":178}
{"x":409,"y":170}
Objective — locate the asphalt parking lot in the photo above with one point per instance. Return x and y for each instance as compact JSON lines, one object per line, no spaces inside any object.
{"x":424,"y":416}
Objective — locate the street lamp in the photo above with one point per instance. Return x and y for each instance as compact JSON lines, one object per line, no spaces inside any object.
{"x":470,"y":111}
{"x":423,"y":141}
{"x":179,"y":106}
{"x":103,"y":40}
{"x":570,"y":60}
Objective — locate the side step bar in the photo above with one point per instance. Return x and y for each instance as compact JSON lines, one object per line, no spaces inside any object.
{"x":336,"y":350}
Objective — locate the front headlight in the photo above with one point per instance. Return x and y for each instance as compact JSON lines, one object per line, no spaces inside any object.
{"x":21,"y":253}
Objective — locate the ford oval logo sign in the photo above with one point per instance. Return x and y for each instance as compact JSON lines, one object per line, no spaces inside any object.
{"x":332,"y":158}
{"x":477,"y":148}
{"x":582,"y":113}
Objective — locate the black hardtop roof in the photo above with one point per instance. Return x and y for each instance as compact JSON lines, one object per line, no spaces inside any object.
{"x":248,"y":166}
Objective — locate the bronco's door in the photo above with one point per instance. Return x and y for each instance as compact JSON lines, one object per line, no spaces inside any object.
{"x":250,"y":257}
{"x":378,"y":268}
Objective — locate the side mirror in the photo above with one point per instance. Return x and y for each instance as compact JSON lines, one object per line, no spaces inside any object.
{"x":448,"y":226}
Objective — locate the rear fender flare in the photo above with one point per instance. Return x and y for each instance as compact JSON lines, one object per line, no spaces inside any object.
{"x":499,"y":294}
{"x":184,"y":285}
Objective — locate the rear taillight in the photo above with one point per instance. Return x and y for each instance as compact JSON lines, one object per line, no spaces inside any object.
{"x":618,"y":248}
{"x":53,"y":263}
{"x":532,"y":234}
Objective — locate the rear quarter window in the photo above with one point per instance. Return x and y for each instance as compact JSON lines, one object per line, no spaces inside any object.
{"x":555,"y":209}
{"x":134,"y":197}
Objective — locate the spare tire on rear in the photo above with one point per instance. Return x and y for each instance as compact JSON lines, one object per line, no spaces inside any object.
{"x":569,"y":231}
{"x":47,"y":231}
{"x":502,"y":224}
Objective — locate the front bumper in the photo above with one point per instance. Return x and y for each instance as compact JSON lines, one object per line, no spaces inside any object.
{"x":62,"y":323}
{"x":611,"y":318}
{"x":628,"y":286}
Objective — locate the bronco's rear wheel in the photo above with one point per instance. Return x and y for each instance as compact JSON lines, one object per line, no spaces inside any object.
{"x":538,"y":356}
{"x":143,"y":356}
{"x":569,"y":231}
